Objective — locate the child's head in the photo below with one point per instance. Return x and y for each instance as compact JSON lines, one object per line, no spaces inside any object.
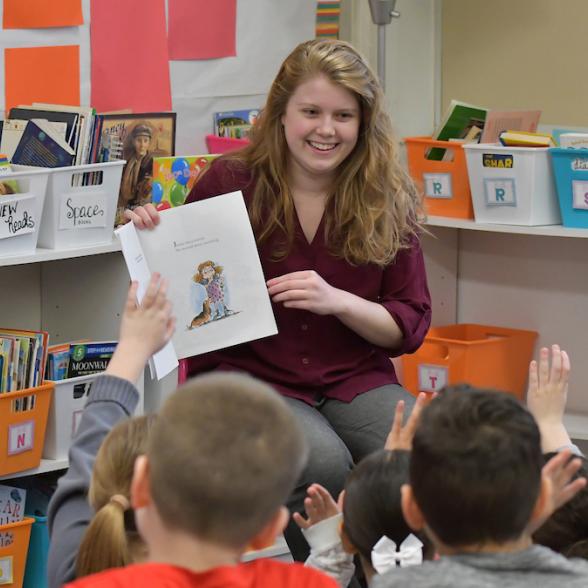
{"x":566,"y":530}
{"x":371,"y":507}
{"x":111,"y":539}
{"x":223,"y":457}
{"x":207,"y":270}
{"x":475,"y":471}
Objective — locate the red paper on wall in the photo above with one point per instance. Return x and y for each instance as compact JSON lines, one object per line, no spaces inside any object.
{"x":201,"y":29}
{"x":130,"y":65}
{"x":42,"y":74}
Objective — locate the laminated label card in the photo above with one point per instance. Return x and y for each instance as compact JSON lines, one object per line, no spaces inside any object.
{"x":207,"y":252}
{"x":17,"y":215}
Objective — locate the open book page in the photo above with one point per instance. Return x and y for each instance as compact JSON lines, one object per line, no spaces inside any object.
{"x":207,"y":252}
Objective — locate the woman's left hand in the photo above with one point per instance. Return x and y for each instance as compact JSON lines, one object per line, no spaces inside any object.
{"x":306,"y":290}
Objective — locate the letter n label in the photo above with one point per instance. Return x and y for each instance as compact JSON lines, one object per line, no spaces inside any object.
{"x":432,"y":377}
{"x":21,"y":437}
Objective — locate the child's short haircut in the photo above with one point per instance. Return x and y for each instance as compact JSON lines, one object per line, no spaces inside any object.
{"x":224,"y":455}
{"x":476,"y":465}
{"x":566,"y":530}
{"x":372,"y":507}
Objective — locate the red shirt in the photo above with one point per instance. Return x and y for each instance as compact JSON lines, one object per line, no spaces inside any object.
{"x":261,"y":573}
{"x":313,"y":355}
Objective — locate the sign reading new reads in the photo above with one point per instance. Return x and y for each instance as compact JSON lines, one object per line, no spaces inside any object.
{"x":17,"y":215}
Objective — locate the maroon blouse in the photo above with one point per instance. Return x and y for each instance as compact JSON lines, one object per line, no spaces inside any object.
{"x":312,"y":355}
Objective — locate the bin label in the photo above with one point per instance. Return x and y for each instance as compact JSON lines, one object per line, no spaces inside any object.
{"x":6,"y":570}
{"x":497,"y":160}
{"x":500,"y":192}
{"x":580,"y":195}
{"x":17,"y":215}
{"x":579,"y":164}
{"x":432,"y":378}
{"x":82,"y":211}
{"x":438,"y":186}
{"x":21,"y":437}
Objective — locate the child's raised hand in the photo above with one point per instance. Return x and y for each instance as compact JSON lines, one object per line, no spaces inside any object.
{"x":319,"y":505}
{"x":559,"y":471}
{"x":143,"y":217}
{"x":144,"y":329}
{"x":547,"y":395}
{"x":401,"y":437}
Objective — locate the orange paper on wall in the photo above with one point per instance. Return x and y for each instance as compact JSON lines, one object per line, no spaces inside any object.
{"x":40,"y":14}
{"x":42,"y":74}
{"x":130,"y":66}
{"x":201,"y":29}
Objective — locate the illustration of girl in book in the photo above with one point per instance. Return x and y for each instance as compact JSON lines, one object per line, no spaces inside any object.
{"x":209,"y":294}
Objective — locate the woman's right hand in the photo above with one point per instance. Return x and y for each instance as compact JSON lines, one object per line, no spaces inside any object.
{"x":143,"y":217}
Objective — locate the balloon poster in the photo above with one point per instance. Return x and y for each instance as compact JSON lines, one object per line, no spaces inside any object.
{"x":173,"y":178}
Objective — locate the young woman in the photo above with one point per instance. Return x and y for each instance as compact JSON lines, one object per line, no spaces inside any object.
{"x":336,"y":222}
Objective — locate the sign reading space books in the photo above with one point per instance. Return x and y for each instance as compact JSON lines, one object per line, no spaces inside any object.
{"x":207,"y":252}
{"x":82,"y":211}
{"x":17,"y":215}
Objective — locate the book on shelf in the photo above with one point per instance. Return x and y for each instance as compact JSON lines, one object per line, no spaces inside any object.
{"x":78,"y":358}
{"x":173,"y":178}
{"x":525,"y":139}
{"x":41,"y":146}
{"x":514,"y":120}
{"x":12,"y":131}
{"x":207,"y":252}
{"x":6,"y":186}
{"x":457,"y":121}
{"x":234,"y":124}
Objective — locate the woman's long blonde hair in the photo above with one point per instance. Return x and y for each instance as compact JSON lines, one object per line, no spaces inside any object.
{"x":107,"y":543}
{"x":374,"y":208}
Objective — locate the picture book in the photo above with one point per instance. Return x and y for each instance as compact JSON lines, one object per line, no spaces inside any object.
{"x":514,"y":120}
{"x":573,"y":140}
{"x":12,"y":504}
{"x":40,"y":146}
{"x":207,"y":252}
{"x":457,"y":121}
{"x":234,"y":124}
{"x":136,"y":138}
{"x":89,"y":358}
{"x":523,"y":139}
{"x":173,"y":178}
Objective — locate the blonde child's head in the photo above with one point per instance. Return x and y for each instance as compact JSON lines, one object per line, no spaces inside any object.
{"x":111,"y":540}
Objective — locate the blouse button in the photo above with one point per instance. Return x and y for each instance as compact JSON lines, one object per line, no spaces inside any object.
{"x":305,"y":360}
{"x":304,"y":327}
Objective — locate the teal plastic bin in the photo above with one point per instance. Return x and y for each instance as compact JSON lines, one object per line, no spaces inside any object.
{"x":36,"y":566}
{"x":570,"y":168}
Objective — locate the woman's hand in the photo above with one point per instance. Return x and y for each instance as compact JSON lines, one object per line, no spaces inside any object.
{"x":306,"y":290}
{"x":143,"y":217}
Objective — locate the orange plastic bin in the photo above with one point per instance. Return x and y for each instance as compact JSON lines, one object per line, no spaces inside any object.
{"x":23,"y":422}
{"x":445,"y":184}
{"x":480,"y":355}
{"x":14,"y":545}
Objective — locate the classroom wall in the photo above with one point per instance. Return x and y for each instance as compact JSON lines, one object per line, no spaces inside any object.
{"x":267,"y":30}
{"x":519,"y":54}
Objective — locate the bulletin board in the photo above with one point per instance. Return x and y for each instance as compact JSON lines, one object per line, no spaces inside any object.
{"x":266,"y":32}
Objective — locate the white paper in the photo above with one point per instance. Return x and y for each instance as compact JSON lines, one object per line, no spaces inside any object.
{"x":165,"y":360}
{"x":17,"y":215}
{"x":226,"y":302}
{"x":84,"y":210}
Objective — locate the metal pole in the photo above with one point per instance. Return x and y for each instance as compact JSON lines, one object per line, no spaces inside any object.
{"x":382,"y":13}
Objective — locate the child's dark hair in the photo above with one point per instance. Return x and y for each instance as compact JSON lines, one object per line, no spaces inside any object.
{"x":372,"y":507}
{"x":475,"y":469}
{"x":566,"y":530}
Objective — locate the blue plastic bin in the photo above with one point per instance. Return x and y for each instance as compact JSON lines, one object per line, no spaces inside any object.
{"x":570,"y":168}
{"x":36,"y":567}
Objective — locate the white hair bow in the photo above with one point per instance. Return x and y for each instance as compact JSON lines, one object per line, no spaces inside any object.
{"x":385,"y":556}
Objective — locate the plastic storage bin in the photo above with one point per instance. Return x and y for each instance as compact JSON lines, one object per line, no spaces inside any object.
{"x":221,"y":145}
{"x":445,"y":184}
{"x":77,"y":215}
{"x":512,"y":185}
{"x":19,"y":234}
{"x":36,"y":566}
{"x":13,"y":553}
{"x":66,"y":409}
{"x":22,"y":427}
{"x":483,"y":356}
{"x":570,"y":167}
